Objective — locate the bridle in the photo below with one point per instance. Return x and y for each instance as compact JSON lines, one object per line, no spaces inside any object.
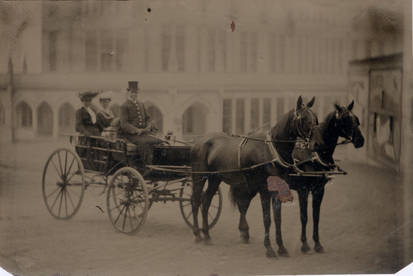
{"x":298,"y":123}
{"x":339,"y":118}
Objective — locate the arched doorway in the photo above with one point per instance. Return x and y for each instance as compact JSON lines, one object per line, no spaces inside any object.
{"x":194,"y":120}
{"x":67,"y":119}
{"x":156,"y":116}
{"x":24,"y":117}
{"x":44,"y":119}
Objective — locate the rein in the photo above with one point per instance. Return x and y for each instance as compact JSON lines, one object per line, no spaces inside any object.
{"x":264,"y":140}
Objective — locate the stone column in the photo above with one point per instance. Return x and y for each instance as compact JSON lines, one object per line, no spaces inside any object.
{"x":247,"y":114}
{"x":191,"y":49}
{"x":55,"y":123}
{"x":273,"y":117}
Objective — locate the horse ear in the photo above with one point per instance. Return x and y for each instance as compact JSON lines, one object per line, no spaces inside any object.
{"x":351,"y":105}
{"x":299,"y":103}
{"x":338,"y":108}
{"x":310,"y":104}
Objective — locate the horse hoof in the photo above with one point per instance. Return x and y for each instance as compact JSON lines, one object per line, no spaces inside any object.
{"x":319,"y":248}
{"x":271,"y":254}
{"x":198,"y":239}
{"x":283,"y":252}
{"x":305,"y":248}
{"x":208,"y":241}
{"x":245,"y":238}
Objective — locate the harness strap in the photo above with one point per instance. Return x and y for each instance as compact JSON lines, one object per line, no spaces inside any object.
{"x":241,"y":144}
{"x":276,"y":157}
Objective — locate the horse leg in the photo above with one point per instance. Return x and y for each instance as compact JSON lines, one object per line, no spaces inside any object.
{"x":266,"y":212}
{"x":276,"y":204}
{"x":197,"y":187}
{"x":213,"y":184}
{"x":317,"y":199}
{"x":303,"y":198}
{"x":243,"y":227}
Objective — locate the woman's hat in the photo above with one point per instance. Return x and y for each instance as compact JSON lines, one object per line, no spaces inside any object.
{"x":107,"y":95}
{"x":87,"y":95}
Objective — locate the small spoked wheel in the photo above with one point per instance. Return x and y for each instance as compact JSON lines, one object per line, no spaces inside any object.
{"x":185,"y":205}
{"x":63,"y":183}
{"x":127,"y":200}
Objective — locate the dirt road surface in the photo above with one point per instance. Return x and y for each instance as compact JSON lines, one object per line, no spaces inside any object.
{"x":360,"y":230}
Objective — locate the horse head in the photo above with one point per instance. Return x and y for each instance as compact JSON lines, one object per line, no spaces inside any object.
{"x":304,"y":119}
{"x":347,"y":124}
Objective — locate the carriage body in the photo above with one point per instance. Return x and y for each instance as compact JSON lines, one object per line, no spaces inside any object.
{"x":105,"y":156}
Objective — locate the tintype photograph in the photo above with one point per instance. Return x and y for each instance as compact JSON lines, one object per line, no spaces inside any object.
{"x":205,"y":137}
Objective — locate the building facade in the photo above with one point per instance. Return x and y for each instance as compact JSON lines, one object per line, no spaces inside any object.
{"x":203,"y":66}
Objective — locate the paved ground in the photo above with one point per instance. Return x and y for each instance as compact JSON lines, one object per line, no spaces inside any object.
{"x":360,"y":229}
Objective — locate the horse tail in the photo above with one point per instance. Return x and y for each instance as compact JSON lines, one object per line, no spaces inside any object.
{"x":234,"y":195}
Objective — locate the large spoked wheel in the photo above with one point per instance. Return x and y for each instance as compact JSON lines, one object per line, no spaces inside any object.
{"x":127,"y":200}
{"x":185,"y":205}
{"x":63,"y":183}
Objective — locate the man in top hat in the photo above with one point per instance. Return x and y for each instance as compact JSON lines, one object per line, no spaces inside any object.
{"x":86,"y":117}
{"x":135,"y":123}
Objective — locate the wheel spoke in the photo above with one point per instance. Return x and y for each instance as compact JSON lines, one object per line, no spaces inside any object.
{"x":57,"y":170}
{"x":65,"y":161}
{"x":116,"y":207}
{"x":73,"y":190}
{"x":66,"y":202}
{"x":131,"y":218}
{"x":70,"y":166}
{"x":71,"y":176}
{"x":116,"y":220}
{"x":51,"y":207}
{"x":60,"y":163}
{"x":189,"y":214}
{"x":125,"y":218}
{"x":70,"y":199}
{"x":61,"y":200}
{"x":53,"y":192}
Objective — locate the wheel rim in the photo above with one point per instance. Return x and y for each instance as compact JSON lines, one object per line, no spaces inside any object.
{"x":127,"y":201}
{"x":185,"y":205}
{"x":63,"y":184}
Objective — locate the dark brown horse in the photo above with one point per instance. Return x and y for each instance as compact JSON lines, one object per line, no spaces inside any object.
{"x":220,"y":152}
{"x":339,"y":123}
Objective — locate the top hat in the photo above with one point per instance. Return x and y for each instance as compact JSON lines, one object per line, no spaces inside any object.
{"x":87,"y":95}
{"x":132,"y":85}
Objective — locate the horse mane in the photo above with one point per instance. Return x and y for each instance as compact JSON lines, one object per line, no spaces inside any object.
{"x":327,"y":132}
{"x":282,"y":131}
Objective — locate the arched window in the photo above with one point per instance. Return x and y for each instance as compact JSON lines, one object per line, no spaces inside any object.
{"x":23,"y":115}
{"x":194,"y":120}
{"x":44,"y":119}
{"x":156,"y":116}
{"x":2,"y":115}
{"x":67,"y":119}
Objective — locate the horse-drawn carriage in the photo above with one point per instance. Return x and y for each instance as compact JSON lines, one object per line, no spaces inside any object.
{"x":179,"y":172}
{"x":119,"y":167}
